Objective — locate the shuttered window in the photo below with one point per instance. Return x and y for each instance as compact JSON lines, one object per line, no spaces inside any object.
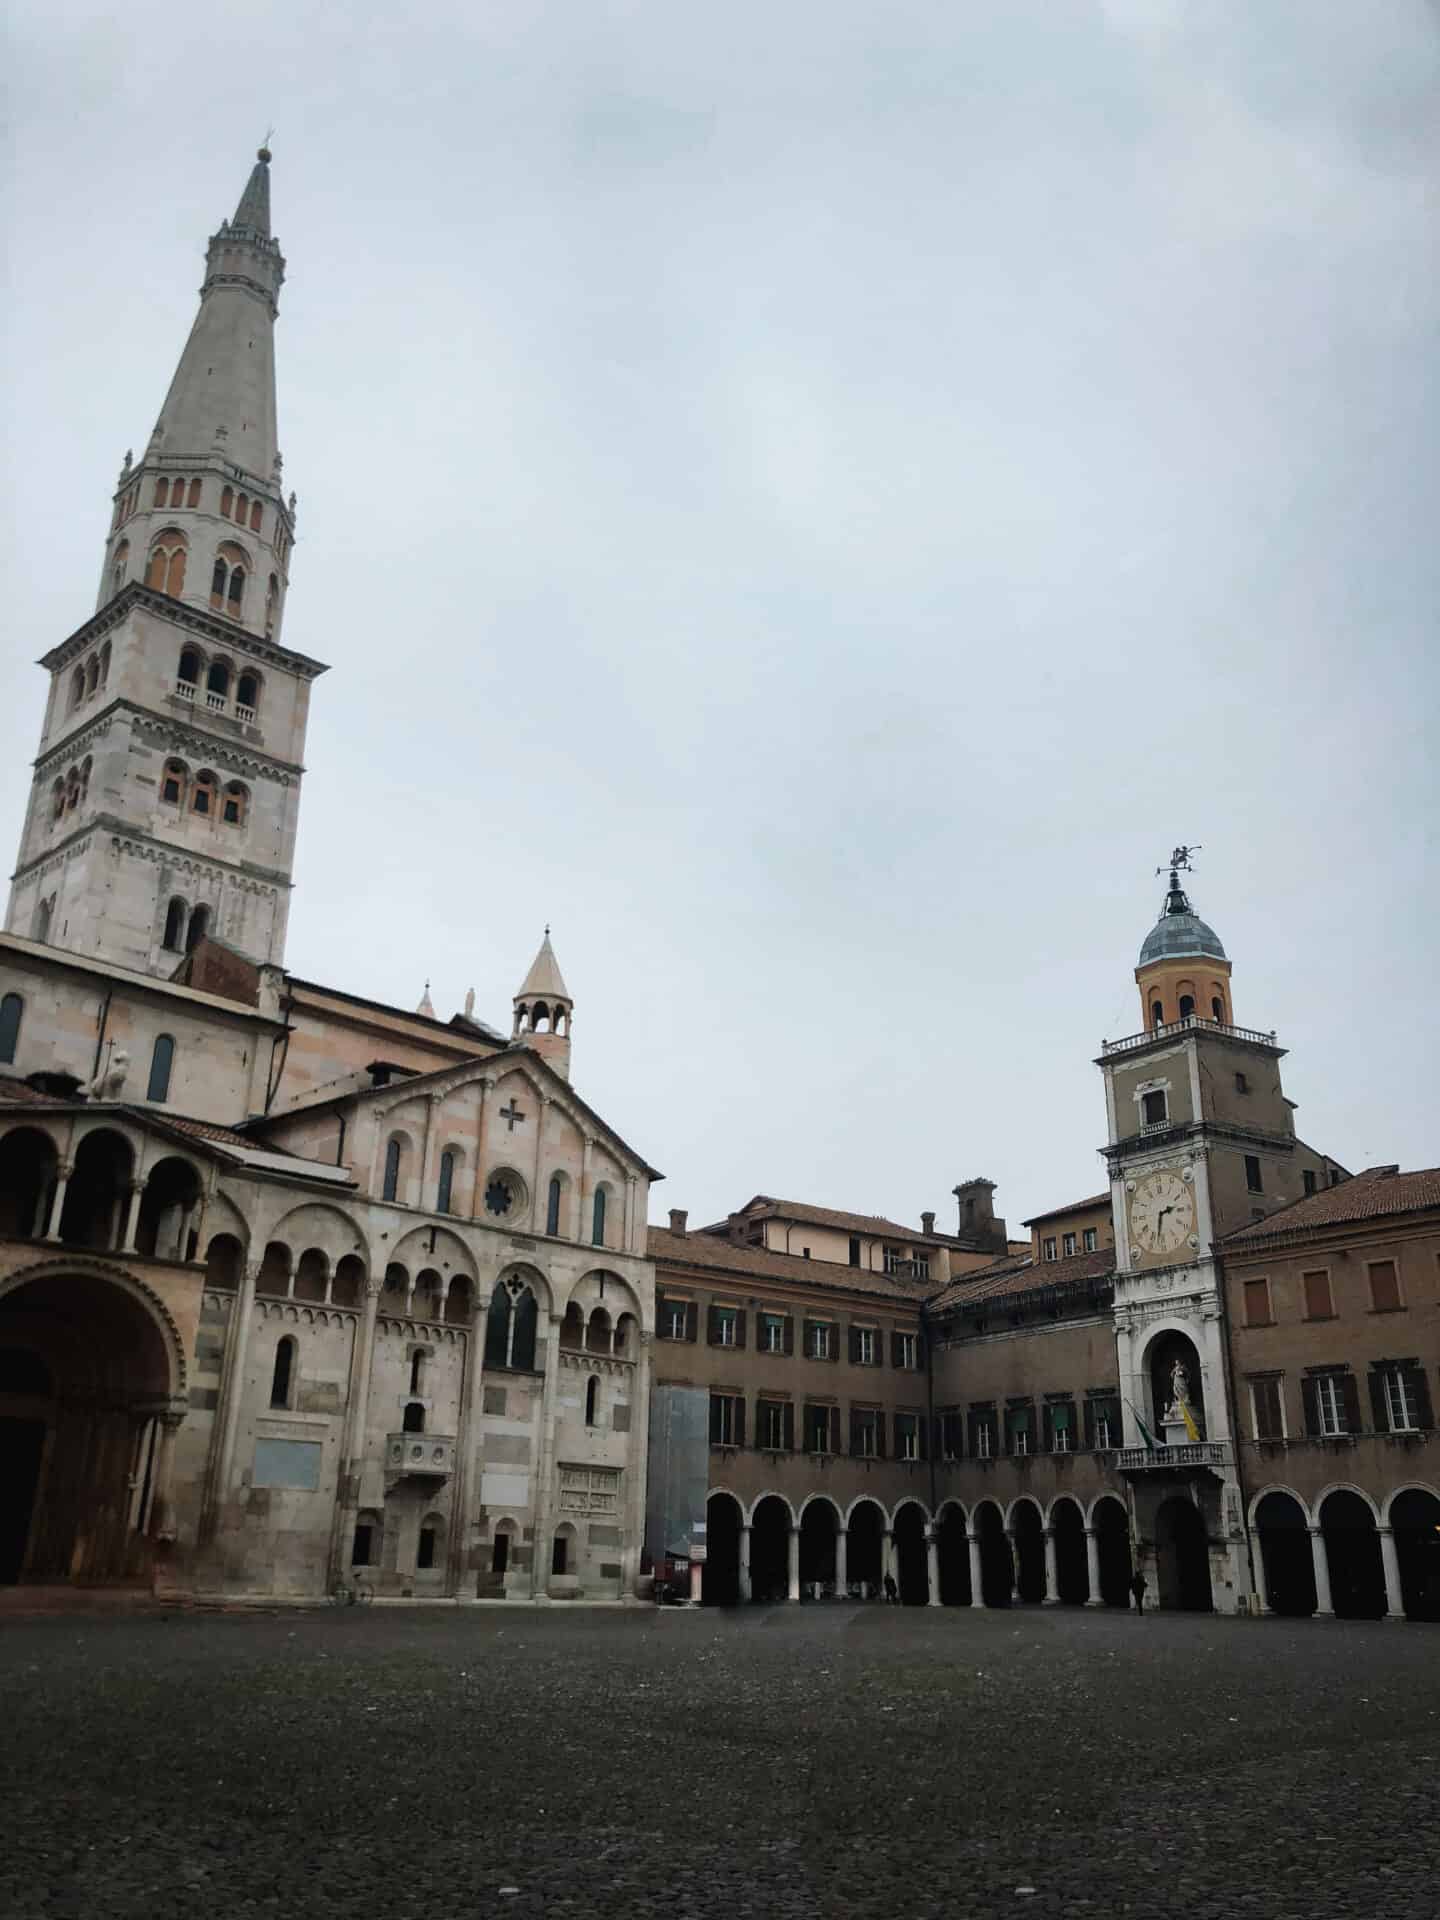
{"x":727,"y":1420}
{"x":1257,"y":1303}
{"x":1384,"y":1286}
{"x":1318,"y":1303}
{"x":1268,"y":1407}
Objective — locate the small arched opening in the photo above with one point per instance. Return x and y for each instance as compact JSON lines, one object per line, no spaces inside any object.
{"x":1285,"y":1557}
{"x":1415,"y":1518}
{"x":911,"y":1558}
{"x":819,"y":1530}
{"x":1071,"y":1573}
{"x":997,"y":1571}
{"x":863,"y":1568}
{"x":592,"y":1400}
{"x":720,"y":1586}
{"x":282,"y":1373}
{"x":29,"y":1165}
{"x":1112,"y":1547}
{"x":169,"y":1209}
{"x":98,"y":1192}
{"x":770,"y":1549}
{"x":1029,"y":1537}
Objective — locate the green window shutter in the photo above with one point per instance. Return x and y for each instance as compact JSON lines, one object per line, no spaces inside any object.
{"x":740,"y":1318}
{"x":835,"y":1429}
{"x":692,"y":1320}
{"x":788,"y":1426}
{"x":713,"y":1326}
{"x":880,"y":1436}
{"x":715,"y":1419}
{"x":1420,"y":1393}
{"x":1377,"y":1401}
{"x":854,"y":1346}
{"x":788,"y":1342}
{"x":1310,"y":1394}
{"x":1350,"y":1389}
{"x":739,"y":1422}
{"x":897,"y":1356}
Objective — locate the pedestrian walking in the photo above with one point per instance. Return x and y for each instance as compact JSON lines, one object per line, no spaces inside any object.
{"x":1137,"y":1587}
{"x":892,"y":1592}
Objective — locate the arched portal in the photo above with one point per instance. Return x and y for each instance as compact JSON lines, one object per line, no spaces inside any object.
{"x":1182,"y":1556}
{"x":819,"y":1525}
{"x":770,"y":1549}
{"x":95,"y":1199}
{"x":1072,"y":1574}
{"x":87,"y":1369}
{"x":862,"y":1560}
{"x":1352,"y":1553}
{"x":911,"y":1570}
{"x":720,"y":1586}
{"x":1285,"y":1556}
{"x":1112,"y":1546}
{"x":1029,"y":1551}
{"x":954,"y":1558}
{"x":997,"y":1570}
{"x":1415,"y":1517}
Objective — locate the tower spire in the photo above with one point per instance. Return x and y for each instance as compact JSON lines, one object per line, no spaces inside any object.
{"x":253,"y":213}
{"x":544,"y":1010}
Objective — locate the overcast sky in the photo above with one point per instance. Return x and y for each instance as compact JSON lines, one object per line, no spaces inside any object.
{"x":813,"y":501}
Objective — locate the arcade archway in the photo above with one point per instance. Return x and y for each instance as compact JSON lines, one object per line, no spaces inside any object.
{"x":770,"y":1549}
{"x":997,"y":1572}
{"x":1415,"y":1518}
{"x":90,"y":1379}
{"x":1352,"y":1554}
{"x":1182,"y":1557}
{"x":1112,"y":1548}
{"x":1283,"y":1531}
{"x":862,"y":1568}
{"x":954,"y":1558}
{"x":720,"y":1584}
{"x":911,"y":1571}
{"x":1029,"y":1540}
{"x":1072,"y":1574}
{"x":819,"y":1526}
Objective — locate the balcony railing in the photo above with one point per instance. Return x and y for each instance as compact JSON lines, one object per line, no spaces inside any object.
{"x":185,"y":689}
{"x":1198,"y":1453}
{"x":215,"y":701}
{"x":244,"y":713}
{"x":1191,"y":1023}
{"x":423,"y":1456}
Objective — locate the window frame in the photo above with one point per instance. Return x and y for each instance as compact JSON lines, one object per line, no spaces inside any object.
{"x":1090,"y":1239}
{"x":162,"y":1069}
{"x":1371,"y":1267}
{"x":1260,"y":1280}
{"x":1275,"y":1383}
{"x":1317,"y":1273}
{"x":1254,"y":1174}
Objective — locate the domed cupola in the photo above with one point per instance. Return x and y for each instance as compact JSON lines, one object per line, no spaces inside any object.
{"x":1183,"y":972}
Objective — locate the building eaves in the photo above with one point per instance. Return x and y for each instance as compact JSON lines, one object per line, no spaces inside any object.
{"x":1013,"y":1279}
{"x":1076,"y":1206}
{"x":1377,"y":1193}
{"x":707,"y":1254}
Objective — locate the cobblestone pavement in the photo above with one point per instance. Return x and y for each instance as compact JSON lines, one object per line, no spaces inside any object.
{"x":806,"y":1761}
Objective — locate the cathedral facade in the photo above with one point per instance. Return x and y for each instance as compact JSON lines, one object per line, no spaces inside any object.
{"x":296,"y":1290}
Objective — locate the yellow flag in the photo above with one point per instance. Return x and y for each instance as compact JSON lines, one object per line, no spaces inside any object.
{"x":1189,"y":1419}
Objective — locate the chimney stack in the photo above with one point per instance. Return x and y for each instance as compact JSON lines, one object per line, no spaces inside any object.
{"x":927,"y":1224}
{"x":678,"y":1218}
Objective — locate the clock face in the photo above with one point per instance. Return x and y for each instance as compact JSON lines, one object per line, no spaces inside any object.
{"x":1162,"y":1212}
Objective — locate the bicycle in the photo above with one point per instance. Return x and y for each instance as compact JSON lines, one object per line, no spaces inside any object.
{"x":357,"y":1594}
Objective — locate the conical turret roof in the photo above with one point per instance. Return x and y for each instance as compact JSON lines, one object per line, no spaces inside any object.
{"x":253,"y":212}
{"x":544,"y":981}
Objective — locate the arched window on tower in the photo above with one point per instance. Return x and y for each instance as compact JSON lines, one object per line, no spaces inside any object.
{"x":217,"y":686}
{"x":174,"y":941}
{"x":394,"y":1153}
{"x":198,"y":928}
{"x":592,"y":1397}
{"x":44,"y":909}
{"x":165,"y":571}
{"x":172,"y":783}
{"x":1157,"y":1015}
{"x":235,"y":804}
{"x":105,"y":664}
{"x":57,"y":799}
{"x":1187,"y":1005}
{"x":234,"y":599}
{"x":11,"y":1008}
{"x":272,"y":596}
{"x":552,"y":1206}
{"x":242,"y":508}
{"x":187,"y":674}
{"x":162,"y":1059}
{"x":202,"y":799}
{"x":162,"y":493}
{"x":447,"y":1181}
{"x":282,"y":1376}
{"x":194,"y":493}
{"x":227,"y":500}
{"x":247,"y":696}
{"x":92,"y":675}
{"x":77,"y":686}
{"x":597,"y":1233}
{"x":119,"y":565}
{"x":255,"y":513}
{"x":1217,"y":1010}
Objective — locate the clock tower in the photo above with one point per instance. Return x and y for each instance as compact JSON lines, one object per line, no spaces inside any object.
{"x":1201,"y":1142}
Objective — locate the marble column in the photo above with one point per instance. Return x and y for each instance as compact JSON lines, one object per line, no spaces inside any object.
{"x":932,"y":1566}
{"x":57,"y":1204}
{"x":977,"y":1582}
{"x":637,"y":1455}
{"x":1014,"y":1563}
{"x":842,"y":1572}
{"x":162,"y":1501}
{"x":233,"y":1393}
{"x":1052,"y":1570}
{"x":745,"y":1591}
{"x":1092,"y":1567}
{"x":1324,"y":1606}
{"x":543,"y":1498}
{"x":132,"y":1216}
{"x":697,"y":1582}
{"x":887,"y":1559}
{"x":1262,"y":1585}
{"x":1394,"y":1594}
{"x":794,"y":1592}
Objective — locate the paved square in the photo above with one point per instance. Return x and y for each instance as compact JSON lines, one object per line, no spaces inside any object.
{"x":797,"y":1761}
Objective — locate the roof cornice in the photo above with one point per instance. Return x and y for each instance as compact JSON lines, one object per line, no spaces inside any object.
{"x":198,"y":620}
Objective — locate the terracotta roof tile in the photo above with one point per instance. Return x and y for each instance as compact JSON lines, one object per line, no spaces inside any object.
{"x":765,"y":1207}
{"x":1008,"y":1279}
{"x":1370,"y":1195}
{"x":723,"y":1256}
{"x":23,"y":1094}
{"x":1076,"y":1206}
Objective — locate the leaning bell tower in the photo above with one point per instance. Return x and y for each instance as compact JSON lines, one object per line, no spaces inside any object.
{"x":166,"y":790}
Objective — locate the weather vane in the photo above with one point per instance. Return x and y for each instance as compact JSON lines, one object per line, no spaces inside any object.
{"x":1179,"y":861}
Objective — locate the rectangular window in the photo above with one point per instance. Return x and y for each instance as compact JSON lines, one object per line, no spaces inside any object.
{"x":1257,"y":1303}
{"x":1384,"y":1286}
{"x":854,"y":1250}
{"x":674,"y":1322}
{"x":1067,"y":1245}
{"x":1267,"y":1408}
{"x":1402,"y":1403}
{"x":819,"y":1339}
{"x":1318,"y":1303}
{"x":1047,"y":1249}
{"x":772,"y":1333}
{"x":866,"y":1433}
{"x":1019,"y":1431}
{"x":1153,"y":1112}
{"x":1242,"y":1085}
{"x":817,"y":1429}
{"x":771,"y":1421}
{"x":727,"y":1327}
{"x":1310,"y":1181}
{"x":907,"y":1436}
{"x":1060,"y":1417}
{"x":1090,"y":1240}
{"x":727,"y":1420}
{"x":1252,"y":1173}
{"x":983,"y":1428}
{"x":952,"y":1436}
{"x":907,"y":1351}
{"x":1107,"y":1435}
{"x":864,"y":1346}
{"x":1329,"y":1404}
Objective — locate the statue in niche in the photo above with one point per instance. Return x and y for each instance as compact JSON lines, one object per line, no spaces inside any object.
{"x":1179,"y":1390}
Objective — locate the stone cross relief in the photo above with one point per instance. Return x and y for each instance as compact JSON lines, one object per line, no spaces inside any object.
{"x":511,"y":1114}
